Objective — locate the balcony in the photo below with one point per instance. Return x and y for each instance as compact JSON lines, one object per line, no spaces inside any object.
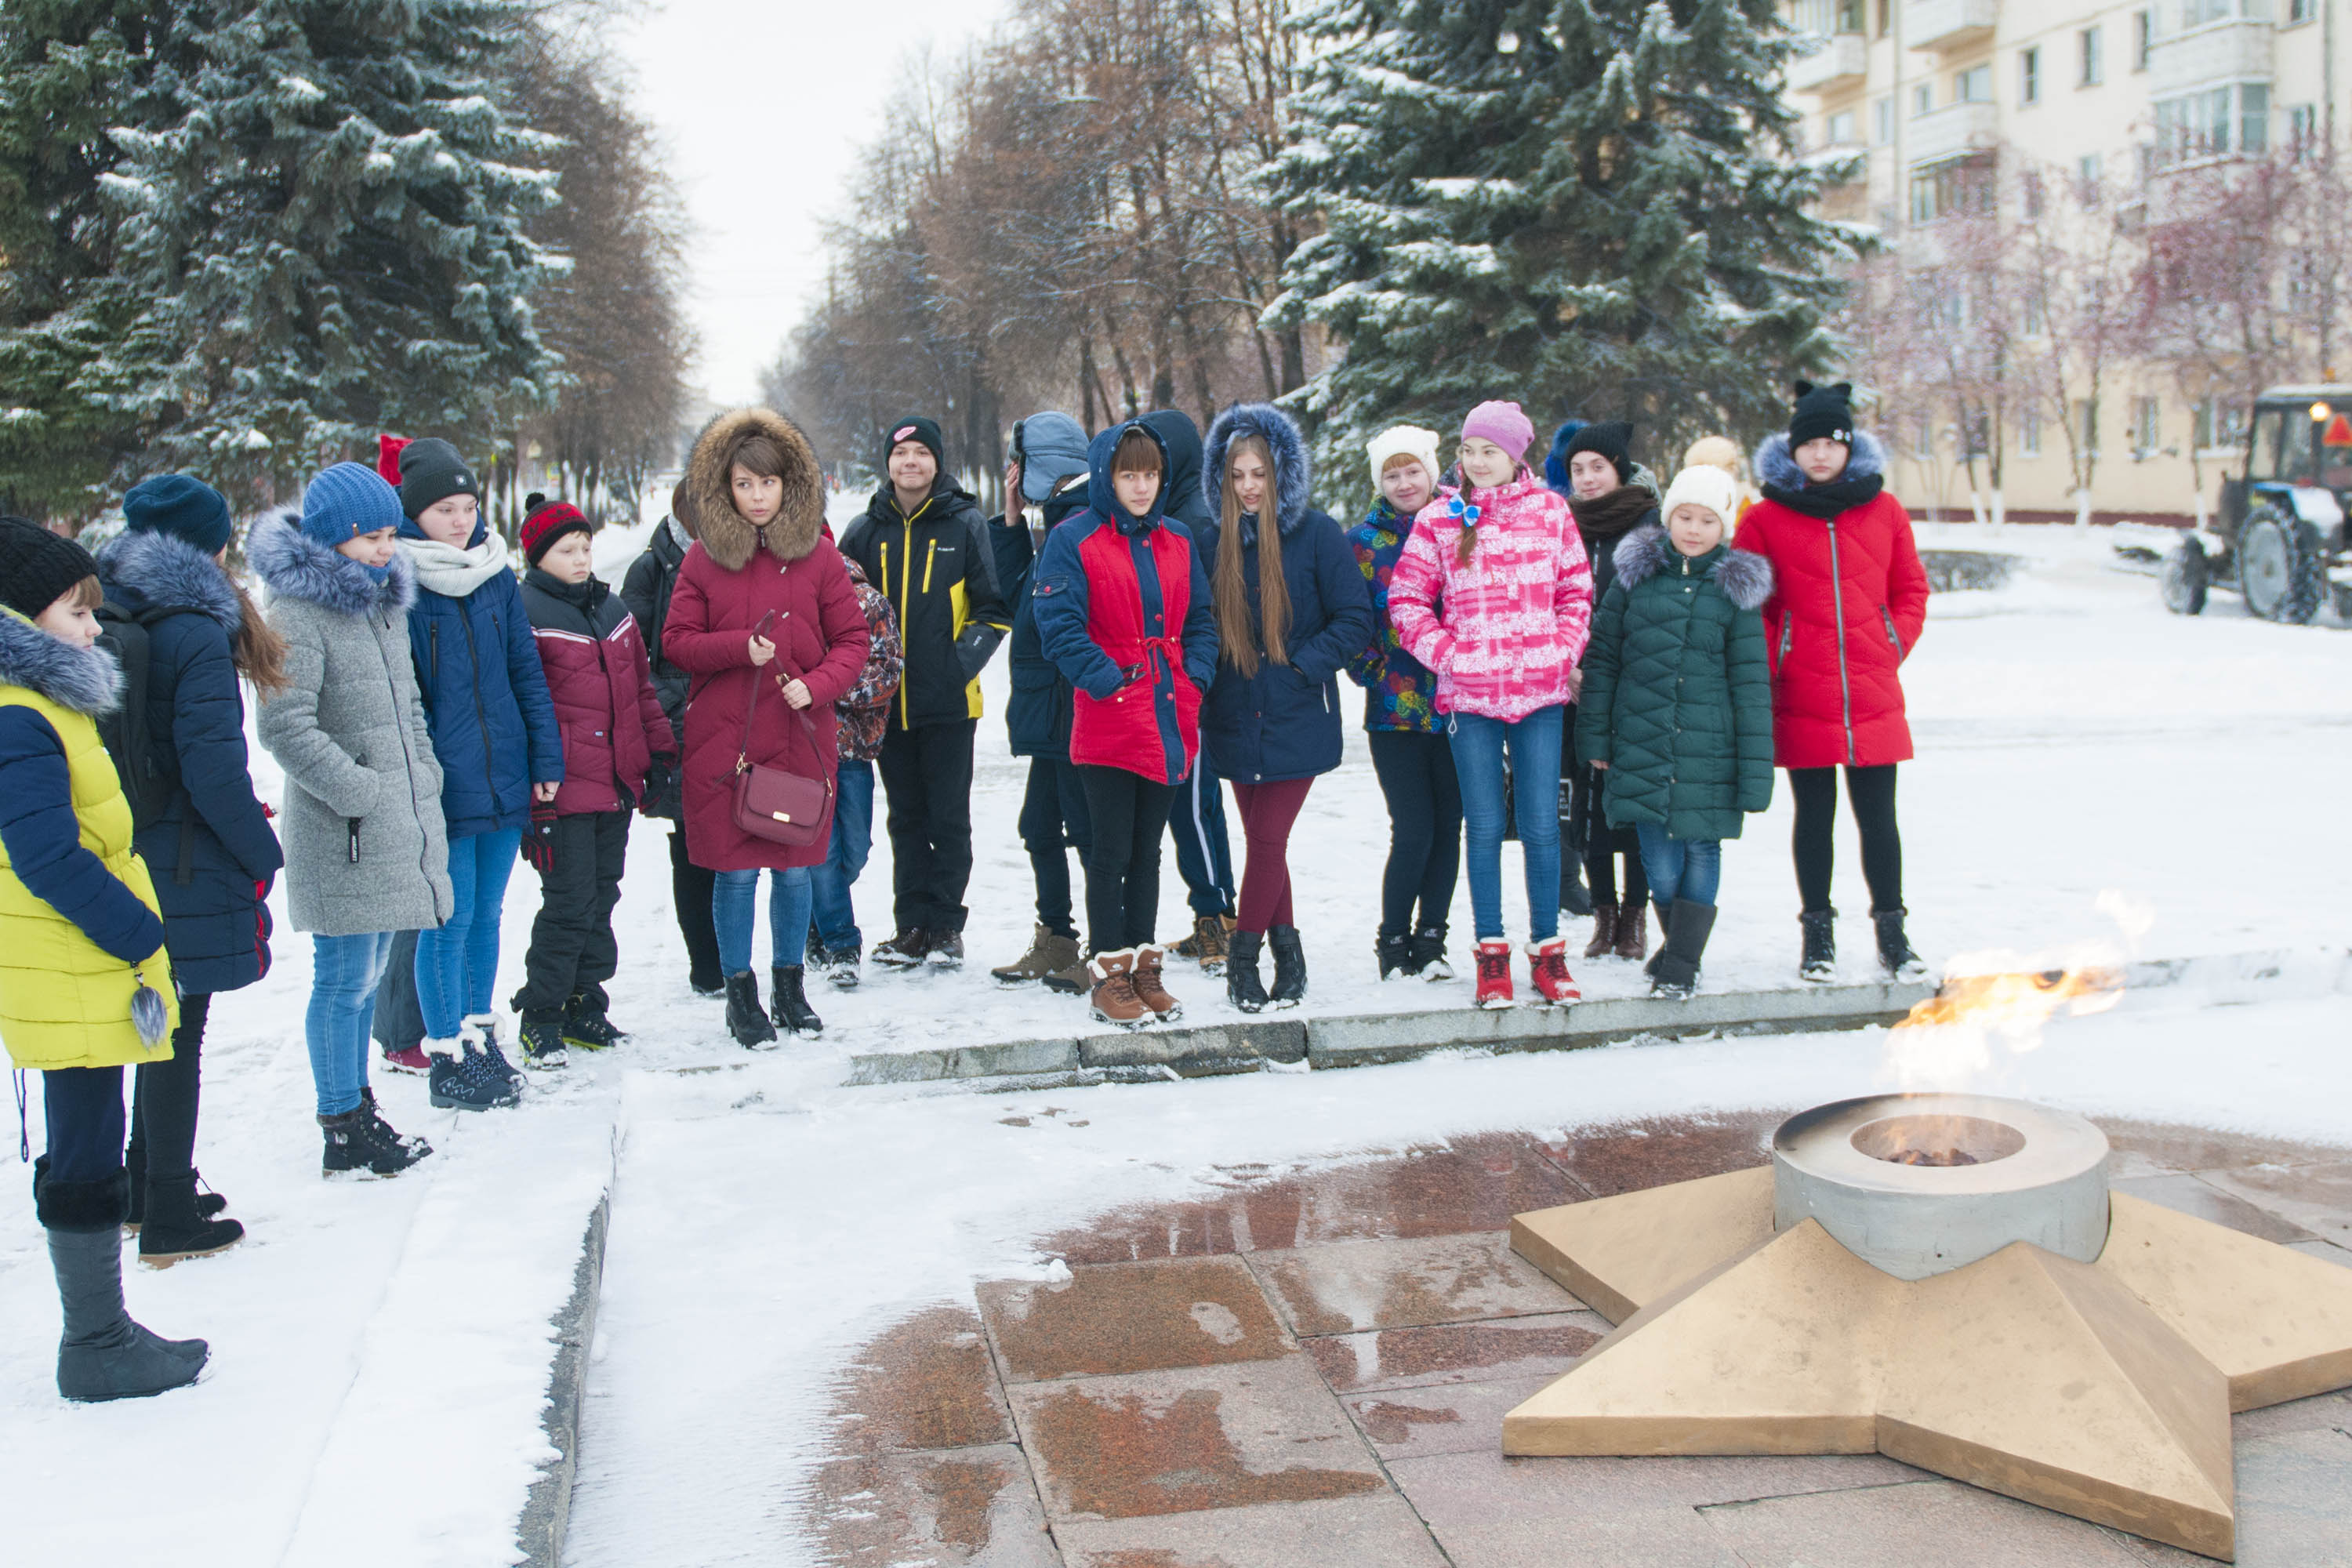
{"x":2240,"y":48}
{"x":1842,"y":60}
{"x":1946,"y":24}
{"x":1950,"y":133}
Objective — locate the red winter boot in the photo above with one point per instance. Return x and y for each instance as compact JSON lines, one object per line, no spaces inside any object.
{"x":1548,"y":965}
{"x":1494,"y":975}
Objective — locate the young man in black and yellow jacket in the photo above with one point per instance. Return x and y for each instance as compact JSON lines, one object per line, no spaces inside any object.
{"x":924,"y":542}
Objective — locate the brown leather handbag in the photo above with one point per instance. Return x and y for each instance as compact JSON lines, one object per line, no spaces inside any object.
{"x":773,"y":803}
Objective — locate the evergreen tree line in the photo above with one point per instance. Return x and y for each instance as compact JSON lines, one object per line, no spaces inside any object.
{"x":242,"y":237}
{"x":1372,"y":210}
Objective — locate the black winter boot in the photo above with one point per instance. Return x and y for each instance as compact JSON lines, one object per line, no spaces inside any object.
{"x":1575,"y":897}
{"x":362,"y":1140}
{"x":1895,"y":954}
{"x":542,"y":1040}
{"x":176,"y":1227}
{"x":1429,"y":954}
{"x":1289,"y":965}
{"x":586,"y":1025}
{"x":1395,"y":955}
{"x":103,"y":1354}
{"x":1675,"y":973}
{"x":1244,"y":989}
{"x":794,"y":1014}
{"x":1819,"y":963}
{"x":134,"y":1169}
{"x":746,"y":1019}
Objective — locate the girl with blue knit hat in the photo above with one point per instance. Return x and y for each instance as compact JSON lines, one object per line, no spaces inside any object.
{"x":366,"y":853}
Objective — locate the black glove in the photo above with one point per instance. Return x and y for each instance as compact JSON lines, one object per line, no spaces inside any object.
{"x":539,"y":843}
{"x":660,"y":795}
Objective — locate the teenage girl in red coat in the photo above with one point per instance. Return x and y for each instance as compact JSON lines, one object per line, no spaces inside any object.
{"x":1849,"y":602}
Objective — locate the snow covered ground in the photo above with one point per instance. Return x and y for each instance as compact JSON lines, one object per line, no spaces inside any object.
{"x":381,"y":1348}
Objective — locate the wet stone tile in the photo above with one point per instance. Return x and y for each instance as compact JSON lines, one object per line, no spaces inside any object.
{"x":1449,"y":1418}
{"x":927,"y":1383}
{"x":1132,"y":1317}
{"x":2176,"y":1148}
{"x":1352,"y":1286}
{"x":1469,"y":1184}
{"x":963,"y":1508}
{"x":2317,"y":1197}
{"x":1174,"y":1442}
{"x":2194,"y":1196}
{"x":1376,"y":1530}
{"x":1627,"y":1156}
{"x":1926,"y":1524}
{"x":1542,"y":1346}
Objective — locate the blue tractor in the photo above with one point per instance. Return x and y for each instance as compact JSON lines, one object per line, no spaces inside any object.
{"x":2279,"y":535}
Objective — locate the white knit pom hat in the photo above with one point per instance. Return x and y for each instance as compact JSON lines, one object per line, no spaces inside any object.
{"x":1703,"y":485}
{"x":1405,"y":440}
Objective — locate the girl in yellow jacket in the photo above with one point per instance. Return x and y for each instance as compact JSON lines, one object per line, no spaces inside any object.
{"x":85,"y":986}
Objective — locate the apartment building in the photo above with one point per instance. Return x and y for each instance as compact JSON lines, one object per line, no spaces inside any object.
{"x":1936,"y":93}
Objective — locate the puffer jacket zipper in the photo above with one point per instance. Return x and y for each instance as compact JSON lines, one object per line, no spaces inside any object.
{"x":481,"y":717}
{"x":1891,"y":636}
{"x":1846,"y":679}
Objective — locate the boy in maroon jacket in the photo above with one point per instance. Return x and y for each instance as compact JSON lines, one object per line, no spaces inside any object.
{"x":614,"y":736}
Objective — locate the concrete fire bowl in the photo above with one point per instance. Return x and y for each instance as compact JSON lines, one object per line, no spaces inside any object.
{"x":1918,"y":1184}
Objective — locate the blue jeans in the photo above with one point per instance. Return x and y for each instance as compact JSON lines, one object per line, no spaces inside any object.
{"x":734,"y":902}
{"x":1204,"y":855}
{"x":345,"y":973}
{"x":1690,"y":869}
{"x":1534,"y":741}
{"x":844,"y":858}
{"x":458,"y":965}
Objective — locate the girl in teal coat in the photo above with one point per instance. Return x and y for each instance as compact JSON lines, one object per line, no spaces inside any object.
{"x":1677,"y":709}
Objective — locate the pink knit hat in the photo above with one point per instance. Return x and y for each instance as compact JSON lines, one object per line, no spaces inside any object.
{"x":1504,"y":423}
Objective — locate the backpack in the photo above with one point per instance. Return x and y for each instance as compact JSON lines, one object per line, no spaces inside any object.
{"x":150,"y":773}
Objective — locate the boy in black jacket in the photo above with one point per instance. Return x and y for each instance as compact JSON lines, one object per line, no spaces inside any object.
{"x":924,"y":543}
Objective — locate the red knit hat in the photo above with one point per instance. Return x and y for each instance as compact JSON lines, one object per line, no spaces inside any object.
{"x":547,"y":522}
{"x":387,"y":457}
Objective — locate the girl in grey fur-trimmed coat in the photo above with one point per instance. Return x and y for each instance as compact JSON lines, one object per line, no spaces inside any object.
{"x":366,"y":851}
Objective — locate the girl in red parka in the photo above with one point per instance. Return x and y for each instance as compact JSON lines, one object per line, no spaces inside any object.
{"x":762,"y":560}
{"x":615,"y":737}
{"x":1849,"y":600}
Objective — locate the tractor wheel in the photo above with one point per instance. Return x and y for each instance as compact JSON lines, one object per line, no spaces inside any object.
{"x":2279,"y":569}
{"x":2182,"y":582}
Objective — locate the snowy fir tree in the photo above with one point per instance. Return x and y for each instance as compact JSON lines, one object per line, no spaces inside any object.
{"x":1593,"y":207}
{"x":315,"y":216}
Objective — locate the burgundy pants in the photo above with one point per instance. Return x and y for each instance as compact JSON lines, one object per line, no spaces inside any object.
{"x":1268,"y":811}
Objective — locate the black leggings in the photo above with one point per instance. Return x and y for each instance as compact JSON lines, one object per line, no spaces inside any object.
{"x":1129,"y":813}
{"x":1871,"y":793}
{"x":1601,"y":867}
{"x":163,"y":1100}
{"x":1423,"y":794}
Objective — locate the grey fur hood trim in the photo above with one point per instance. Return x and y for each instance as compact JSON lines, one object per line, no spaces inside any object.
{"x":293,"y":565}
{"x":85,"y":679}
{"x":1745,"y":577}
{"x":1294,"y":472}
{"x":165,"y":569}
{"x":1775,"y":466}
{"x":724,"y":535}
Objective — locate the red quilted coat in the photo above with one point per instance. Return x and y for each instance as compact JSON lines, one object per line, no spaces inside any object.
{"x":729,"y":579}
{"x":602,"y":685}
{"x":1849,"y":603}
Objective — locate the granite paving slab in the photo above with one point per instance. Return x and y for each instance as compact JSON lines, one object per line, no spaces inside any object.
{"x":1544,"y":1345}
{"x":2197,"y":1194}
{"x":953,"y":1507}
{"x":1132,"y":1317}
{"x":1444,"y":1418}
{"x":1626,"y":1156}
{"x":925,"y":1383}
{"x":1377,"y":1530}
{"x":2316,"y":1196}
{"x":1924,"y":1524}
{"x":1352,"y":1286}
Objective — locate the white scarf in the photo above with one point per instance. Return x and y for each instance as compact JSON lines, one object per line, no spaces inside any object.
{"x":453,"y":573}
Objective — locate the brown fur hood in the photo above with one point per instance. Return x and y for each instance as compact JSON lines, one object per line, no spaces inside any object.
{"x":728,"y":539}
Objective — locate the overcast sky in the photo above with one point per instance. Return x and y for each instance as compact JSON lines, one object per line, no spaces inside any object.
{"x":762,"y":107}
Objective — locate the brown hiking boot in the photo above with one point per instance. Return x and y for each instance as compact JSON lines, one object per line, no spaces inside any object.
{"x":904,"y":951}
{"x":1632,"y":930}
{"x":1049,"y":954}
{"x":1211,"y":938}
{"x":1115,"y":1001}
{"x":1604,"y":932}
{"x":1148,"y":988}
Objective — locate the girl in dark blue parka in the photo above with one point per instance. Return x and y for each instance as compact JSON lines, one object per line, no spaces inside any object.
{"x":212,"y":851}
{"x":494,"y":732}
{"x":1288,"y":621}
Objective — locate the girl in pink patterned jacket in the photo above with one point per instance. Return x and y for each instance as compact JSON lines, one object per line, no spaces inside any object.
{"x":1494,"y":592}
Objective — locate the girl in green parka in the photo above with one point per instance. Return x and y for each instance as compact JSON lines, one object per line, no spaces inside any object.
{"x":1677,"y":707}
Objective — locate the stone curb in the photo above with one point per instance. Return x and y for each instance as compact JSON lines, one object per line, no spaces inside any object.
{"x":1367,"y":1039}
{"x":547,"y":1510}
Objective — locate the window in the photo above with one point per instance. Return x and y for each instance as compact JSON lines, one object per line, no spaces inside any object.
{"x":2301,"y":10}
{"x":2214,"y":123}
{"x":2281,"y":445}
{"x":1849,"y":15}
{"x":2029,"y":76}
{"x":2147,"y":426}
{"x":1842,"y":128}
{"x":1923,"y":99}
{"x":2088,"y":172}
{"x":2029,"y":200}
{"x":2029,"y":434}
{"x":2094,"y":59}
{"x":2220,"y":426}
{"x":1923,"y":440}
{"x":1881,"y":121}
{"x":1885,"y":18}
{"x":2197,"y":13}
{"x":2254,"y":118}
{"x":1956,"y":187}
{"x":2302,"y":130}
{"x":1973,"y":85}
{"x":2142,"y":35}
{"x":1813,"y":16}
{"x":2086,"y":426}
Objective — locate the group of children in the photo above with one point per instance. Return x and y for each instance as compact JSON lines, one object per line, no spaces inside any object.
{"x":1522,"y":642}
